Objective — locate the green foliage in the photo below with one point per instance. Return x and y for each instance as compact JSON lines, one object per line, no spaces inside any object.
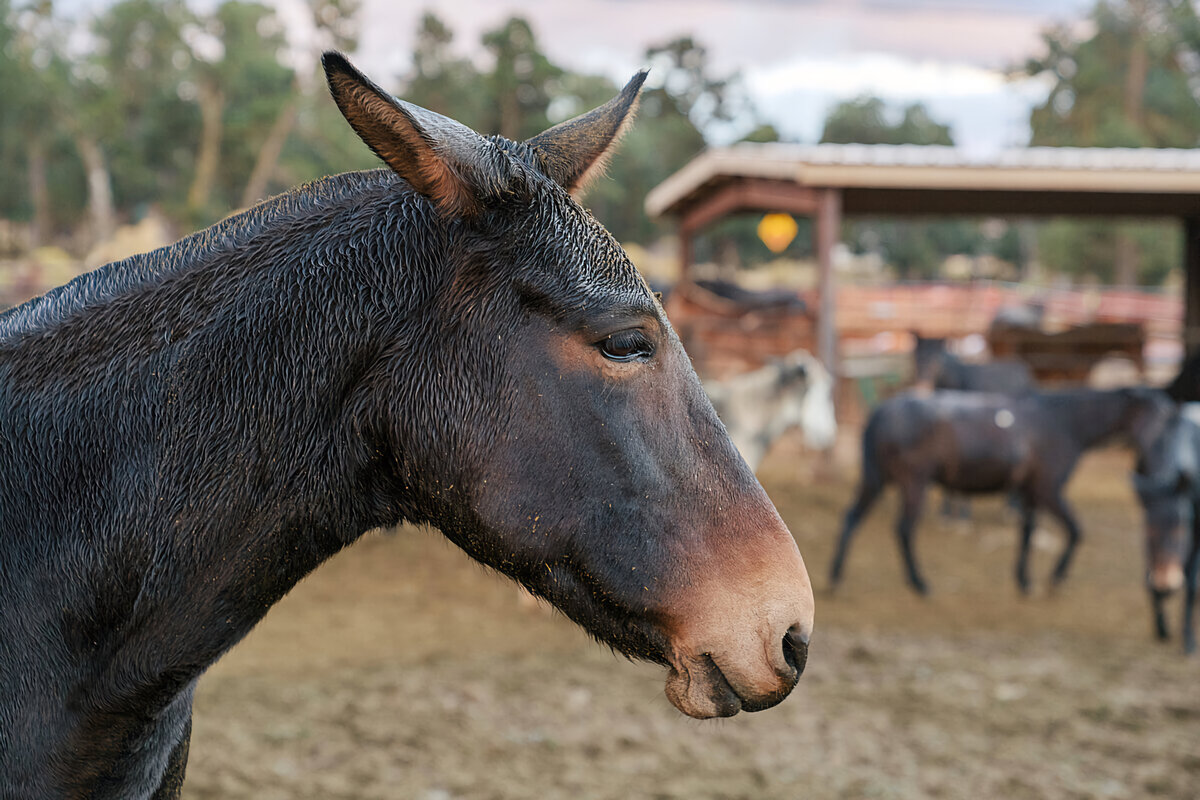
{"x":864,"y":121}
{"x":522,"y":93}
{"x":1127,"y":84}
{"x":915,"y":249}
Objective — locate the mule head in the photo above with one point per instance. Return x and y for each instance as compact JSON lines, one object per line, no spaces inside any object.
{"x":1166,"y":483}
{"x":538,"y":408}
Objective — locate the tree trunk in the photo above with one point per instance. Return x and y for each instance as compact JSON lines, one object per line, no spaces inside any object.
{"x":100,"y":199}
{"x":1135,"y":77}
{"x":212,"y":108}
{"x":268,"y":154}
{"x":39,"y":193}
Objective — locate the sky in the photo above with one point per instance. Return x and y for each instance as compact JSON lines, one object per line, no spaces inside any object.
{"x":797,"y":58}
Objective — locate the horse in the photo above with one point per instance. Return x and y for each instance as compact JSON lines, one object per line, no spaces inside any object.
{"x":976,"y":442}
{"x":938,"y":368}
{"x":1167,"y":482}
{"x":1185,"y":386}
{"x":759,"y":406}
{"x":449,"y":340}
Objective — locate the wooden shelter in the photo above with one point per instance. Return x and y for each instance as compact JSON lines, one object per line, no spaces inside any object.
{"x":827,"y":182}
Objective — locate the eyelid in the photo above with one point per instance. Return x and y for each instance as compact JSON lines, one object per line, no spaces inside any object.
{"x":633,"y":340}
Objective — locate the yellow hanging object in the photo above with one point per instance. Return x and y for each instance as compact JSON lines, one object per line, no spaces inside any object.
{"x":777,"y":231}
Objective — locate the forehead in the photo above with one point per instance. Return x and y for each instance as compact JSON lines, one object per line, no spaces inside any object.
{"x":577,"y":263}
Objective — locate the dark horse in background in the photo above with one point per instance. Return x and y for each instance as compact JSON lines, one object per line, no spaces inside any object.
{"x":453,"y":341}
{"x":938,"y":368}
{"x":1167,"y":481}
{"x":935,"y":367}
{"x":976,"y":442}
{"x":1185,"y":387}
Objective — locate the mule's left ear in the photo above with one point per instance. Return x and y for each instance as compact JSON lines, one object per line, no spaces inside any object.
{"x":573,"y":152}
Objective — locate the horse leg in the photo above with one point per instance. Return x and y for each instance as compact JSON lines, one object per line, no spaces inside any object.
{"x":1192,"y":574}
{"x":1161,"y":632}
{"x":868,"y":492}
{"x":912,"y":494}
{"x":1061,"y":509}
{"x":1028,"y":520}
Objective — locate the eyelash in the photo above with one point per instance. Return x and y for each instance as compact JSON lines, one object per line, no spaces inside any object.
{"x":629,"y":345}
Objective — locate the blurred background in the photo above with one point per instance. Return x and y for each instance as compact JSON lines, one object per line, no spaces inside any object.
{"x":170,"y":114}
{"x":402,"y":670}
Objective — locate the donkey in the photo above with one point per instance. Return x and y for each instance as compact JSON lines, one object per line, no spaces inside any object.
{"x":451,"y":340}
{"x":1167,"y":481}
{"x":976,"y":442}
{"x":760,"y":406}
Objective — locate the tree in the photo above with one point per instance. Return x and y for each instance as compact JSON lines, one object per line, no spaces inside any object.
{"x":1127,"y":84}
{"x":914,"y":249}
{"x":241,"y":89}
{"x":130,"y":118}
{"x":864,"y":121}
{"x":521,"y":82}
{"x":682,"y":79}
{"x":336,"y":24}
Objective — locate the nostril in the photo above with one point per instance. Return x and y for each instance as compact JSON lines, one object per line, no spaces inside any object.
{"x":795,"y":649}
{"x":796,"y":635}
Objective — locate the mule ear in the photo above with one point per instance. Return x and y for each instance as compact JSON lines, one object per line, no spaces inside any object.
{"x":442,"y":159}
{"x":573,"y":152}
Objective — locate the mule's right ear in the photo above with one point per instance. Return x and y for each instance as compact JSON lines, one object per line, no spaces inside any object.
{"x":442,"y":159}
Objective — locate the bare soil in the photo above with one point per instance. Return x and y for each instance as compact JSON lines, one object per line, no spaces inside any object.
{"x":402,"y":670}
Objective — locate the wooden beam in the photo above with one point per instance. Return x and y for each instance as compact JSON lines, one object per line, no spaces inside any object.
{"x":829,"y":226}
{"x":750,"y":195}
{"x":1191,"y":286}
{"x":903,"y":202}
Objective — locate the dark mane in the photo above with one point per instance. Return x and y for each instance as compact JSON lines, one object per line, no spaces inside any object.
{"x":113,"y":279}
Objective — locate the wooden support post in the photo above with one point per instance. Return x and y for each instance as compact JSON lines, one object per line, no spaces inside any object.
{"x":686,"y":239}
{"x":829,"y":225}
{"x":1191,"y":286}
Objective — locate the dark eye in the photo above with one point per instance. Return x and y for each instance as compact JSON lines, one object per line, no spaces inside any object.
{"x":626,"y":346}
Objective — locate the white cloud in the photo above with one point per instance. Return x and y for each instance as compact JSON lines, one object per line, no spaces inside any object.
{"x":883,"y":74}
{"x":985,"y":110}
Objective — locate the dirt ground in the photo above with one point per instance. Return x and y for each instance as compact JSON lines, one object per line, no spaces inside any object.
{"x":402,"y":670}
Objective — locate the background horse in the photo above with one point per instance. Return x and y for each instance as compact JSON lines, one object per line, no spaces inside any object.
{"x":935,"y":367}
{"x":938,"y":368}
{"x":452,"y":341}
{"x":760,"y":406}
{"x":978,"y":442}
{"x":1167,"y":481}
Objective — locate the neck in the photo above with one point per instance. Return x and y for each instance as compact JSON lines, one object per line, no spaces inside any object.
{"x":197,"y":449}
{"x":1093,"y":417}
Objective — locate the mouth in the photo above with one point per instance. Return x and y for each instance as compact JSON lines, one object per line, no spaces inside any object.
{"x":699,"y":688}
